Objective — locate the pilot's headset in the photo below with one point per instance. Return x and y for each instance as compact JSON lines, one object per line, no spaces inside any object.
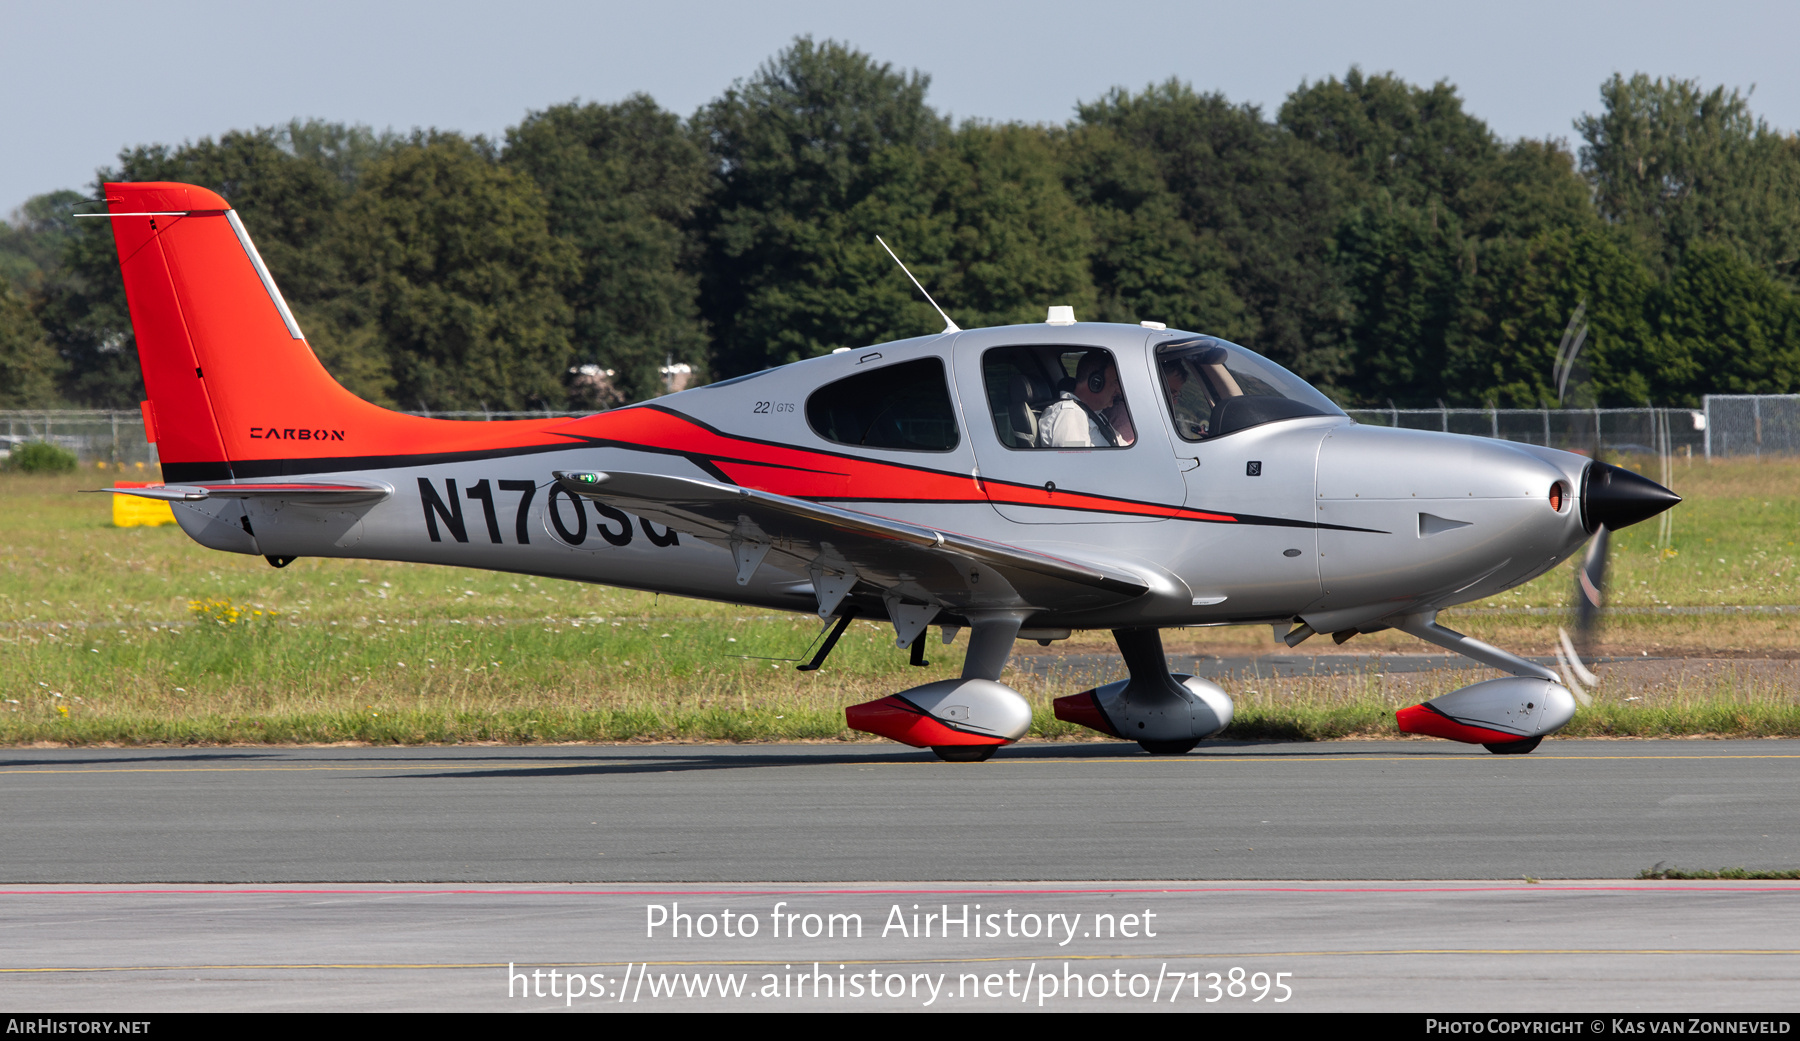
{"x":1096,"y":377}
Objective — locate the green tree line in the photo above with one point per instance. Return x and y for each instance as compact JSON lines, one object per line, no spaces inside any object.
{"x":1371,"y":235}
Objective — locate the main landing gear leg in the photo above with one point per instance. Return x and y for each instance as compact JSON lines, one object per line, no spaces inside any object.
{"x":1151,"y":684}
{"x":1165,"y":714}
{"x":990,"y":645}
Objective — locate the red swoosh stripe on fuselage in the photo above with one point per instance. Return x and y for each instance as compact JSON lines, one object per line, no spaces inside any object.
{"x":823,"y":476}
{"x":803,"y":473}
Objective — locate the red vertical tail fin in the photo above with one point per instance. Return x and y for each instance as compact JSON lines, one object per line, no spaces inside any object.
{"x":180,"y":408}
{"x":235,"y":391}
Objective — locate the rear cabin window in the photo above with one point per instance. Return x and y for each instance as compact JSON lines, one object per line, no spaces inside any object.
{"x":905,"y":406}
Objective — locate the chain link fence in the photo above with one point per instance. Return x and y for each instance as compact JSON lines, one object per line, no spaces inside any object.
{"x":112,"y":437}
{"x":1591,"y":431}
{"x":1752,"y":424}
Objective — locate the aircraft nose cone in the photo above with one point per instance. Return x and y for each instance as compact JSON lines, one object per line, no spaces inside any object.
{"x":1617,"y":498}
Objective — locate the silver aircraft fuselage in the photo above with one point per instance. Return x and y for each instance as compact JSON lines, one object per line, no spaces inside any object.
{"x":1019,"y":482}
{"x":1315,"y":519}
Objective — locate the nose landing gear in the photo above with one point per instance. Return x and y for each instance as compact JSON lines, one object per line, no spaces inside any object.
{"x":1507,"y":716}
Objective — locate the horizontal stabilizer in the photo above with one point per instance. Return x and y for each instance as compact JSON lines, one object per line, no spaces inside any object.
{"x":332,"y":493}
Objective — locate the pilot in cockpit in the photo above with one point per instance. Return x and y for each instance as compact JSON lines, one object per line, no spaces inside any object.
{"x":1093,"y":413}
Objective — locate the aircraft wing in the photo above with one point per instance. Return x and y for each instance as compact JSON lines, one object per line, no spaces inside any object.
{"x":900,"y":558}
{"x":331,"y":493}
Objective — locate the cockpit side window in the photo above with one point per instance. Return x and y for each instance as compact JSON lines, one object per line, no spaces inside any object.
{"x":905,"y":406}
{"x":1056,"y":397}
{"x":1216,"y":388}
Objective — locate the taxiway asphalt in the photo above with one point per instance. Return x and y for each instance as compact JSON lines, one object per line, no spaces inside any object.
{"x":847,"y":813}
{"x":1488,"y":948}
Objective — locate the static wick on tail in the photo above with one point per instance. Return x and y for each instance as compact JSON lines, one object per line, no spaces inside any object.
{"x":949,"y":326}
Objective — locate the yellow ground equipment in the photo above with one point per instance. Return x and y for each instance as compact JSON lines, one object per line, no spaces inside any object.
{"x":132,"y":511}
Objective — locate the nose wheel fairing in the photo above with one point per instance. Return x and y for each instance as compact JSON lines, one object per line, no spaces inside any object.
{"x":1509,"y":714}
{"x":1495,"y":712}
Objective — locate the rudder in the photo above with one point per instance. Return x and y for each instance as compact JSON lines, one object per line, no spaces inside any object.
{"x":234,"y":389}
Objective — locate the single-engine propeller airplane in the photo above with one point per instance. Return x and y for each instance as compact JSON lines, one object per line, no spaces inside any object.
{"x":1018,"y":482}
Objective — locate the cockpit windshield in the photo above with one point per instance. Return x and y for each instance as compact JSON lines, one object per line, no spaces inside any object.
{"x":1216,"y":388}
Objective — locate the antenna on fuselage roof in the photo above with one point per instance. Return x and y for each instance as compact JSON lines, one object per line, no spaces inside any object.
{"x":949,"y":326}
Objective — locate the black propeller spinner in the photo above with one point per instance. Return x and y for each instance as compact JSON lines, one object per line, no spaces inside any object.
{"x":1614,"y":497}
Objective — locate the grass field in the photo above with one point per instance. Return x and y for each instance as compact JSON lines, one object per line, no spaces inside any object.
{"x":138,"y":635}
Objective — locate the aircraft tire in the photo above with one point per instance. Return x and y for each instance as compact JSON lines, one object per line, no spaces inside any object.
{"x":1513,"y":747}
{"x":1181,"y":747}
{"x":964,"y":753}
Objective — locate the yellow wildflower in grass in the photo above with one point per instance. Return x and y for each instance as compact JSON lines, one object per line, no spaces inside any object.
{"x":222,"y":612}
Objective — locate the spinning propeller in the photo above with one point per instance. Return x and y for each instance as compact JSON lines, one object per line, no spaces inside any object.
{"x":1611,"y":498}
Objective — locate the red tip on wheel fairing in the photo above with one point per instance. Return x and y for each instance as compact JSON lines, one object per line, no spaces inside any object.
{"x":1084,"y":709}
{"x":1423,"y":719}
{"x":899,"y":719}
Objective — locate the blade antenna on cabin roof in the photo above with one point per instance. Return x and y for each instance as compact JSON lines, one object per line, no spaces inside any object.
{"x":949,"y":326}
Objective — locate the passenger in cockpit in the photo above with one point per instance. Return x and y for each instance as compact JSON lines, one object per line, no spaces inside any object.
{"x":1190,"y":413}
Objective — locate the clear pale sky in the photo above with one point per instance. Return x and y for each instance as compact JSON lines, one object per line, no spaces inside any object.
{"x":80,"y":82}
